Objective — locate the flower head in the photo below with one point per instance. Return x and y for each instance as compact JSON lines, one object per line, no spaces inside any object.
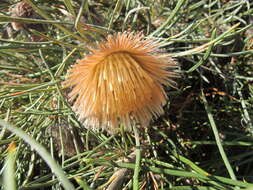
{"x":24,"y":10}
{"x":21,"y":9}
{"x":121,"y":82}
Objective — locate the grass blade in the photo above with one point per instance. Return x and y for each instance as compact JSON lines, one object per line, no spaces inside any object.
{"x":217,"y":138}
{"x":9,"y":172}
{"x":43,"y":153}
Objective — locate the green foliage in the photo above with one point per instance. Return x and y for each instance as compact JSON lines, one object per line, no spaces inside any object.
{"x":203,"y":141}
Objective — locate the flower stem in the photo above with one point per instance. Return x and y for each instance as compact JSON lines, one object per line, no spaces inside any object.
{"x":137,"y":160}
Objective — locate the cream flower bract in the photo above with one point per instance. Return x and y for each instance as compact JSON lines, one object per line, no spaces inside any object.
{"x":121,"y":82}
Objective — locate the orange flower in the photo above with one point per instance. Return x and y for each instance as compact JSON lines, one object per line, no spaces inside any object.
{"x":121,"y":82}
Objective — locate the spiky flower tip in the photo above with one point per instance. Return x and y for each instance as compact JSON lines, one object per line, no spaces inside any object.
{"x":121,"y":82}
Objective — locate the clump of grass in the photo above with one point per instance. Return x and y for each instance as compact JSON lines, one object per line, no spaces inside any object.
{"x":203,"y":141}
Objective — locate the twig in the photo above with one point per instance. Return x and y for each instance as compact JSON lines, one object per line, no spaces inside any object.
{"x":119,"y":176}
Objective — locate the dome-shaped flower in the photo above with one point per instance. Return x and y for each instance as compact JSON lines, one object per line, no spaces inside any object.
{"x":121,"y":82}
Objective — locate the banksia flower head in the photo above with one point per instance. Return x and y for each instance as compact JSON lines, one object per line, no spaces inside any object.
{"x":21,"y":9}
{"x":121,"y":82}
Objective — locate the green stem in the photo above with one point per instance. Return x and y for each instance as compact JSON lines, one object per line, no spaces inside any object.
{"x":217,"y":138}
{"x":137,"y":160}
